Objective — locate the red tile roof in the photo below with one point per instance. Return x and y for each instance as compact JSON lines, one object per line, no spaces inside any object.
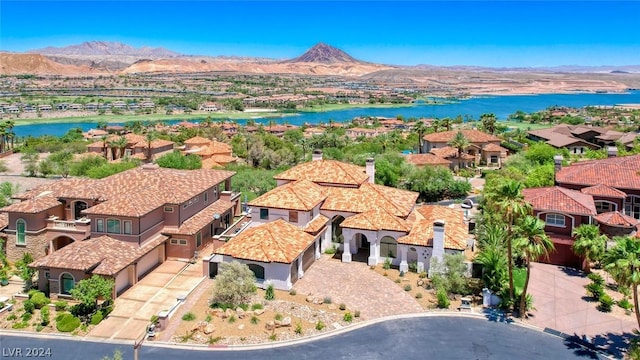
{"x":376,"y":220}
{"x":277,"y":241}
{"x":493,"y":147}
{"x":604,"y":191}
{"x":559,"y":199}
{"x":203,"y":218}
{"x":370,"y":196}
{"x":33,"y":205}
{"x":615,"y":218}
{"x":426,"y":159}
{"x":326,"y":171}
{"x":474,"y":136}
{"x":617,"y":172}
{"x":449,"y":152}
{"x":317,"y":224}
{"x":301,"y":195}
{"x":455,"y":231}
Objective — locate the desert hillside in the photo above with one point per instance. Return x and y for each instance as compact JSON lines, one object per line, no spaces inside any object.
{"x":15,"y":64}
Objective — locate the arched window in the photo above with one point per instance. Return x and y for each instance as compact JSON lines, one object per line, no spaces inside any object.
{"x":21,"y":229}
{"x":388,"y":247}
{"x":67,"y":282}
{"x":78,"y":207}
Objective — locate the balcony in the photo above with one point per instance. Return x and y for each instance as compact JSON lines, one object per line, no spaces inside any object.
{"x":76,"y":229}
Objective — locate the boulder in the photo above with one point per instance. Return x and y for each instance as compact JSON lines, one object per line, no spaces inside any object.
{"x":259,"y":312}
{"x":229,"y":313}
{"x":284,"y":322}
{"x":270,"y":325}
{"x":310,"y":298}
{"x":208,"y":329}
{"x":241,"y":326}
{"x":318,"y":301}
{"x":240,"y":313}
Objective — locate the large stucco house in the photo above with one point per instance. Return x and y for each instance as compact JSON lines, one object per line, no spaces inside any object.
{"x":483,"y":148}
{"x":120,"y":227}
{"x":604,"y":192}
{"x":325,"y":203}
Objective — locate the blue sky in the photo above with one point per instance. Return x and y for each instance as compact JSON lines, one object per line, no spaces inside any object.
{"x":513,"y":33}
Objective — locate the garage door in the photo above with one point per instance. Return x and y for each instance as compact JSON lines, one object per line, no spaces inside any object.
{"x":309,"y":257}
{"x":563,"y":256}
{"x":122,"y":280}
{"x":148,"y":262}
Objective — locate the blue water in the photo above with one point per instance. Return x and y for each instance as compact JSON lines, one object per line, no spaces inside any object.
{"x":502,"y":106}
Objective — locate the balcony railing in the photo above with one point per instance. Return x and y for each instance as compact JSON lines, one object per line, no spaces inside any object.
{"x":63,"y":224}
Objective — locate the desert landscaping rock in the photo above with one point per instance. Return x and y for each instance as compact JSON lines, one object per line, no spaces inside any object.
{"x":240,"y":313}
{"x":209,"y":329}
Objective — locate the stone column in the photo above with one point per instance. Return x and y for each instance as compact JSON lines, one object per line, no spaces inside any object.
{"x":300,"y":271}
{"x":404,"y":265}
{"x":346,"y":253}
{"x":373,"y":253}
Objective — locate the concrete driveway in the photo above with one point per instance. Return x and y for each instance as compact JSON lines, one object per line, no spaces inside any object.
{"x":560,"y":299}
{"x":157,"y":291}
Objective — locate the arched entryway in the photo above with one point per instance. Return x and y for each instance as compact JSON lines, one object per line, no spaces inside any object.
{"x":388,"y":247}
{"x":60,"y":242}
{"x":336,"y":229}
{"x":67,"y":282}
{"x":78,"y":207}
{"x":257,"y":270}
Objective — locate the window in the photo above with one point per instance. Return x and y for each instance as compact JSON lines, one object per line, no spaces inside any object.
{"x":127,"y":226}
{"x":199,"y":239}
{"x":182,"y":242}
{"x":555,"y":220}
{"x":206,"y":196}
{"x":168,"y":209}
{"x":388,"y":247}
{"x":293,"y":216}
{"x":264,"y":214}
{"x":99,"y":225}
{"x":178,"y":242}
{"x":47,"y":275}
{"x":67,"y":283}
{"x":21,"y":230}
{"x":113,"y":226}
{"x":494,"y":159}
{"x":174,"y":241}
{"x":604,"y":206}
{"x":215,"y":192}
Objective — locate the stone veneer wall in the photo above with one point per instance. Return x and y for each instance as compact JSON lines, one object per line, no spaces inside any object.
{"x":36,"y":245}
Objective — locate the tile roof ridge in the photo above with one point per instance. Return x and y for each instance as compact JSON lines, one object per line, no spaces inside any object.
{"x":348,"y":173}
{"x":274,"y":236}
{"x":383,"y":195}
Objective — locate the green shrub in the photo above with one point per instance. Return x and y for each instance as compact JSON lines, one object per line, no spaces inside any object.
{"x":298,"y":329}
{"x":26,"y":316}
{"x":67,"y":323}
{"x":257,"y":306}
{"x":422,"y":275}
{"x":413,"y":266}
{"x":273,"y":337}
{"x":61,"y":305}
{"x":348,"y":317}
{"x":343,"y":307}
{"x":33,"y":292}
{"x":401,"y":274}
{"x":330,"y":251}
{"x":255,"y":320}
{"x":12,"y":317}
{"x":39,"y":327}
{"x":96,"y":318}
{"x":419,"y":295}
{"x":20,"y":325}
{"x":606,"y":302}
{"x":278,"y":316}
{"x":596,"y":278}
{"x":189,"y":316}
{"x":29,"y":307}
{"x":356,"y":313}
{"x":397,"y":281}
{"x":270,"y":293}
{"x":231,"y":319}
{"x":44,"y":316}
{"x":319,"y":325}
{"x":407,"y":287}
{"x":208,"y":318}
{"x":39,"y":299}
{"x":327,"y":300}
{"x":293,"y":292}
{"x":595,"y":290}
{"x":443,"y":299}
{"x":387,"y":264}
{"x":244,"y":307}
{"x":625,"y":304}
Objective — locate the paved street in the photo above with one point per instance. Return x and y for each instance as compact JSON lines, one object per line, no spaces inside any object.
{"x":412,"y":338}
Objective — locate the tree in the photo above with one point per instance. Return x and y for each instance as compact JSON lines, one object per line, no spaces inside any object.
{"x":7,"y":190}
{"x":88,"y":291}
{"x":30,"y":160}
{"x":510,"y":203}
{"x":589,"y":244}
{"x":149,"y":138}
{"x":176,"y":160}
{"x":24,"y":271}
{"x":61,"y":161}
{"x":120,"y":144}
{"x":491,"y":242}
{"x":235,"y":284}
{"x":488,"y":122}
{"x":460,"y":142}
{"x":420,"y":128}
{"x":533,"y":243}
{"x":623,"y":263}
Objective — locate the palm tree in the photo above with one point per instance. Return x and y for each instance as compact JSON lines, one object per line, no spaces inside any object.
{"x":459,"y":142}
{"x":589,"y":244}
{"x":121,"y":144}
{"x":149,"y":138}
{"x":11,"y":135}
{"x":3,"y":136}
{"x":509,"y":201}
{"x":534,"y":243}
{"x":420,"y":128}
{"x":623,"y":263}
{"x":104,"y":146}
{"x":446,"y":123}
{"x":491,"y":241}
{"x":489,"y":122}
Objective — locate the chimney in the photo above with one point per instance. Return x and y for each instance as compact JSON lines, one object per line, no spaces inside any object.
{"x":437,"y":248}
{"x":370,"y":169}
{"x":612,"y":151}
{"x":316,"y":155}
{"x":557,"y":161}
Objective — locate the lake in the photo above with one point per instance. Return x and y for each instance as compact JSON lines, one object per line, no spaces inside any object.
{"x":502,"y":106}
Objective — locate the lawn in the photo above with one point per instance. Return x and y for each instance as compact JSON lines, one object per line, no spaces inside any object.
{"x":519,"y":276}
{"x":525,"y":125}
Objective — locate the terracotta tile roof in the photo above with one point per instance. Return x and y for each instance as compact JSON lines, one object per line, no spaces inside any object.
{"x":604,"y":191}
{"x":101,"y":255}
{"x":426,"y":159}
{"x":197,"y":140}
{"x":203,"y":218}
{"x":617,"y":172}
{"x":4,"y":220}
{"x":317,"y":224}
{"x":132,"y":204}
{"x":224,"y":159}
{"x":210,"y":164}
{"x":615,"y":218}
{"x":560,"y":200}
{"x":449,"y":152}
{"x":301,"y":195}
{"x":326,"y":171}
{"x":276,"y":241}
{"x":474,"y":136}
{"x":455,"y":230}
{"x":155,"y":144}
{"x":493,"y":147}
{"x":370,"y":196}
{"x":376,"y":220}
{"x":33,"y":205}
{"x":79,"y":188}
